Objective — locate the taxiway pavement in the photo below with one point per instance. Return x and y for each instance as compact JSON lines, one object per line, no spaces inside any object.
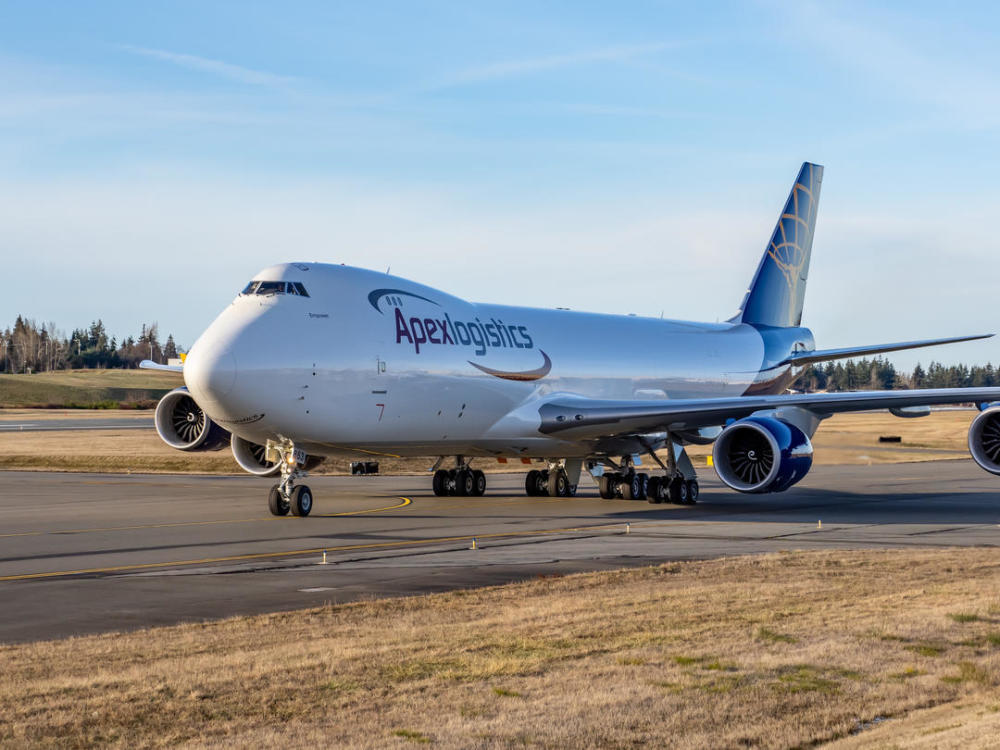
{"x":83,"y":553}
{"x":63,"y":424}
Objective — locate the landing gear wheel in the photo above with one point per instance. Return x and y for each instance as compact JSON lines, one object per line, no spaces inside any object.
{"x":479,"y":483}
{"x":531,"y":483}
{"x":302,"y":501}
{"x":276,"y":503}
{"x":631,"y":487}
{"x":693,"y":491}
{"x":557,"y":484}
{"x":653,"y":493}
{"x":643,"y":486}
{"x":440,"y":482}
{"x":679,"y":492}
{"x":606,"y":487}
{"x":465,"y":485}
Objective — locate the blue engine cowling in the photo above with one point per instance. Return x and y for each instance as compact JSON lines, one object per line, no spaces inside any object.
{"x":762,"y":454}
{"x":984,"y":438}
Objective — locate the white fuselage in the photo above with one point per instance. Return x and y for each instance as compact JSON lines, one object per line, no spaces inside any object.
{"x":374,"y":364}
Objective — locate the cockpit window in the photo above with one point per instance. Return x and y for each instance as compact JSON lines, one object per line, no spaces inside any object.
{"x":275,"y":287}
{"x":271,"y":287}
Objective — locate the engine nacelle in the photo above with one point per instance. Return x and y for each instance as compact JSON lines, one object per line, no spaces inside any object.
{"x":762,"y":454}
{"x":252,"y":458}
{"x":984,"y":439}
{"x":183,"y":425}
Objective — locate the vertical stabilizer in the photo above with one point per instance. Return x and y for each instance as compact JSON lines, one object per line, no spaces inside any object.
{"x":775,"y":296}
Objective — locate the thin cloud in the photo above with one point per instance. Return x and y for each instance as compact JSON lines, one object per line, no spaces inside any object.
{"x":871,"y":46}
{"x":527,"y":66}
{"x":215,"y":67}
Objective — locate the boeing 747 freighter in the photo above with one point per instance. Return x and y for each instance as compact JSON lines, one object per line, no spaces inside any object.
{"x":314,"y":360}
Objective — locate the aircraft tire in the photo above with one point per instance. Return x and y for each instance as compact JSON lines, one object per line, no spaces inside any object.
{"x":643,"y":486}
{"x":466,"y":484}
{"x":679,"y":492}
{"x":479,"y":482}
{"x":276,"y":503}
{"x":604,"y":487}
{"x":557,"y":485}
{"x":531,"y":483}
{"x":653,"y":491}
{"x":302,"y":501}
{"x":440,"y":482}
{"x":628,"y":487}
{"x":693,"y":491}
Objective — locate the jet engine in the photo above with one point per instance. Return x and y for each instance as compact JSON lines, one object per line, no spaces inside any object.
{"x":984,"y":439}
{"x":252,"y":458}
{"x":762,"y":454}
{"x":183,"y":425}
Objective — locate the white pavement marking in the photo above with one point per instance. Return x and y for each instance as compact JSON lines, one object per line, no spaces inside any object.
{"x":316,"y":589}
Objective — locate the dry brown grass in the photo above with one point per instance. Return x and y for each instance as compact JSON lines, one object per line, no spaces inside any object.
{"x":843,"y":439}
{"x":783,"y":650}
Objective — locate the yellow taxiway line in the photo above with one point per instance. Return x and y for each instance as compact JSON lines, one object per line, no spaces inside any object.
{"x":405,"y":501}
{"x":310,"y":551}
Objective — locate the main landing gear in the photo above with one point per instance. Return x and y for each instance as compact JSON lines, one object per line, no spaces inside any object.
{"x":286,"y":496}
{"x":462,"y":481}
{"x":559,"y":480}
{"x":676,"y":486}
{"x":552,"y":482}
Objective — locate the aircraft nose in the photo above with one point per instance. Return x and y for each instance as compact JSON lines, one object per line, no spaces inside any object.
{"x":210,"y":372}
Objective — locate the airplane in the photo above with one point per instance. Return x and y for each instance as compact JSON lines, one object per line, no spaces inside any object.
{"x":313,"y":360}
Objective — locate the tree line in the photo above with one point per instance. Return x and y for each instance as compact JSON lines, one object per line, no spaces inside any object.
{"x":880,"y":374}
{"x":33,"y":347}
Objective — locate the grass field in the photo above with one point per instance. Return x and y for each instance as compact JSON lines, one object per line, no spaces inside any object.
{"x":86,"y":388}
{"x":843,"y":439}
{"x":785,"y":650}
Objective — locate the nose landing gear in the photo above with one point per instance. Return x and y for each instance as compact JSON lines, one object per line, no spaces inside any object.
{"x":286,"y":496}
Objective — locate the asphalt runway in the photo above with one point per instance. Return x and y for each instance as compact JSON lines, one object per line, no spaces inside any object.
{"x":84,"y":553}
{"x":62,"y":424}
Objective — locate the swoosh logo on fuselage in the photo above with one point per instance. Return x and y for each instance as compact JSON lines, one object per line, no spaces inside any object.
{"x":376,"y":296}
{"x":523,"y":375}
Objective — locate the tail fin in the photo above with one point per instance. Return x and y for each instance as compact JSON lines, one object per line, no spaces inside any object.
{"x":775,"y":296}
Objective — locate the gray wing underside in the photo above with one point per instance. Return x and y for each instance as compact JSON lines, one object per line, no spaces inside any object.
{"x":576,"y":418}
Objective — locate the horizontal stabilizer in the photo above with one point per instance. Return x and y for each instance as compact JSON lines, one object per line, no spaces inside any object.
{"x":148,"y":364}
{"x":802,"y":359}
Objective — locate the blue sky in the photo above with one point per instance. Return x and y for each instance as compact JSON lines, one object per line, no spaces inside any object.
{"x":625,"y":157}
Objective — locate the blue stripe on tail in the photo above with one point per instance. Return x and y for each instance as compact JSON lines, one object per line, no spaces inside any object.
{"x":775,"y":296}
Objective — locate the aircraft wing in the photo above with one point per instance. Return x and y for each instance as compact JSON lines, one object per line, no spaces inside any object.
{"x":575,"y":418}
{"x":148,"y":364}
